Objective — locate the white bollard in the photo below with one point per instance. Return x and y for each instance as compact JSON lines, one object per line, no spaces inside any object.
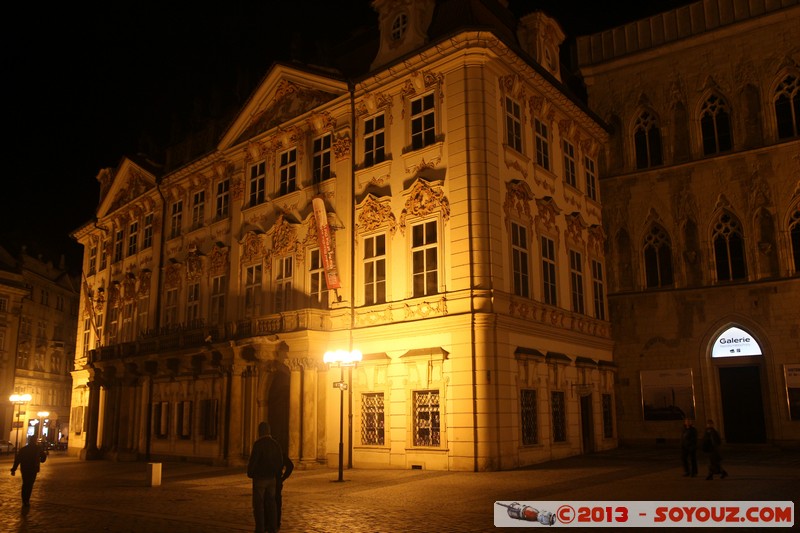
{"x":154,"y":474}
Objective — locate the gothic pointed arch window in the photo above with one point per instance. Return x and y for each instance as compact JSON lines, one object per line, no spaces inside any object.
{"x":647,"y":141}
{"x":794,"y":234}
{"x":657,"y":258}
{"x":787,"y":107}
{"x":728,"y":242}
{"x":715,"y":125}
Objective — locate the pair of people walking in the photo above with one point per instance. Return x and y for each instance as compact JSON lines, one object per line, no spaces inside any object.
{"x":710,"y":444}
{"x":268,"y":467}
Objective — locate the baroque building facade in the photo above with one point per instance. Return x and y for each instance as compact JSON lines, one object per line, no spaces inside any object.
{"x":701,"y":187}
{"x":439,"y":212}
{"x":38,"y":321}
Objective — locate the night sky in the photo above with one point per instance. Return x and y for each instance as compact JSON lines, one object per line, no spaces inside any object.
{"x":87,"y":86}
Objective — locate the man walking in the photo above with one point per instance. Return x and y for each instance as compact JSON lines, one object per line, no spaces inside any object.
{"x":265,"y":467}
{"x":28,"y":460}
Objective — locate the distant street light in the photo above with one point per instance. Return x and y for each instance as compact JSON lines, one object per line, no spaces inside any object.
{"x":341,"y":358}
{"x":19,"y":400}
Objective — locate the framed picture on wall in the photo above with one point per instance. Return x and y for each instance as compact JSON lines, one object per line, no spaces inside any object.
{"x":667,"y":394}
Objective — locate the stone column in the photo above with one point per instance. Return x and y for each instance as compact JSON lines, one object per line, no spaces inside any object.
{"x":295,"y":405}
{"x":234,"y":413}
{"x":90,"y":450}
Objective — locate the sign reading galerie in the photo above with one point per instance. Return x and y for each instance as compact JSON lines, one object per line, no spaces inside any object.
{"x":735,"y":342}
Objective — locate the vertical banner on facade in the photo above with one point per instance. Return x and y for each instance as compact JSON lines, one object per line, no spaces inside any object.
{"x":793,"y":390}
{"x":667,"y":394}
{"x":326,"y":248}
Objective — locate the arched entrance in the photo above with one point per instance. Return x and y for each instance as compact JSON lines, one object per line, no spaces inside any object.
{"x":278,"y":406}
{"x":739,"y":360}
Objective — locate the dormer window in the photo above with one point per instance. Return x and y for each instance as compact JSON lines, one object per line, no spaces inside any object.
{"x":399,"y":25}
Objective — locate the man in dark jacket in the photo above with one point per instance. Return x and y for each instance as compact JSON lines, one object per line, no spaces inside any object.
{"x":288,"y":466}
{"x":689,"y":448}
{"x":711,"y":444}
{"x":28,"y":460}
{"x":265,"y":467}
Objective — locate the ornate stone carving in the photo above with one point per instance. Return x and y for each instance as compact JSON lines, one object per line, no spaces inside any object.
{"x":144,"y":282}
{"x":194,"y":266}
{"x":218,"y":259}
{"x":284,"y":237}
{"x":129,"y":287}
{"x":575,"y":227}
{"x":518,"y":201}
{"x":172,"y":275}
{"x":374,"y":214}
{"x":597,"y":239}
{"x":424,"y":199}
{"x":548,"y":211}
{"x":372,"y":102}
{"x":341,"y":147}
{"x":426,"y":309}
{"x":252,"y":247}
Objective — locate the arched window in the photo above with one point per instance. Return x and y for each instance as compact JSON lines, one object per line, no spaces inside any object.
{"x":647,"y":141}
{"x":657,"y":258}
{"x":794,"y":232}
{"x":729,"y":248}
{"x":715,"y":125}
{"x":787,"y":107}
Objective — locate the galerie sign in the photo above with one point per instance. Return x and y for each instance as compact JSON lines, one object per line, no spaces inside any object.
{"x":735,"y":342}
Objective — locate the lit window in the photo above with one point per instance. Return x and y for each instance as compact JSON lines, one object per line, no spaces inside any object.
{"x":657,"y":258}
{"x":729,"y":249}
{"x":316,"y":274}
{"x":252,"y":291}
{"x":375,"y":269}
{"x":423,"y":122}
{"x":283,"y":284}
{"x":425,"y":258}
{"x":647,"y":141}
{"x":374,"y":139}
{"x":787,"y":107}
{"x":519,"y":260}
{"x":513,"y":125}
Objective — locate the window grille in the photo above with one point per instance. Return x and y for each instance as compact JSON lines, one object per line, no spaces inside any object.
{"x":427,"y":430}
{"x":559,"y":410}
{"x":527,"y":401}
{"x":372,"y":419}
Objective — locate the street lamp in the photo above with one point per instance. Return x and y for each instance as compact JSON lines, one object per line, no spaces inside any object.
{"x":341,"y":358}
{"x":19,"y":400}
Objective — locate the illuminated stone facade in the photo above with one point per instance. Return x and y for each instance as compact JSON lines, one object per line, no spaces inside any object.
{"x":38,"y":306}
{"x":459,"y":186}
{"x":701,"y":188}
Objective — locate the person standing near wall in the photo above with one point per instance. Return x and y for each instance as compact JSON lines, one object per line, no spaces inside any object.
{"x":28,"y":460}
{"x":265,"y":468}
{"x":711,"y":444}
{"x":689,"y":448}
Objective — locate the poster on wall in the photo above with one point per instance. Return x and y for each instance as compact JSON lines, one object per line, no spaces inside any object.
{"x":667,"y":394}
{"x":792,"y":373}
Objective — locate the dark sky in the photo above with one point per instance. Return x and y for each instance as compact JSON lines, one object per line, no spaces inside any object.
{"x":88,"y":84}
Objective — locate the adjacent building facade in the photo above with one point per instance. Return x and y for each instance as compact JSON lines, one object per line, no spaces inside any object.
{"x":701,"y":188}
{"x":440,"y":212}
{"x":38,"y":310}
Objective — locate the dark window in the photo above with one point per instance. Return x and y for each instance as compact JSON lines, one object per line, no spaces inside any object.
{"x":513,"y":125}
{"x":322,"y":158}
{"x":647,"y":141}
{"x":288,"y":171}
{"x":374,"y":139}
{"x":559,"y":410}
{"x":794,"y":230}
{"x":549,"y":271}
{"x":787,"y":107}
{"x":423,"y":122}
{"x":519,"y":260}
{"x":425,"y":258}
{"x":427,"y":428}
{"x":715,"y":125}
{"x":209,"y":414}
{"x":542,"y":145}
{"x":257,"y":180}
{"x":372,"y":418}
{"x":527,"y":400}
{"x":729,"y":249}
{"x":375,"y":270}
{"x":576,"y":281}
{"x":657,"y":258}
{"x":161,"y":420}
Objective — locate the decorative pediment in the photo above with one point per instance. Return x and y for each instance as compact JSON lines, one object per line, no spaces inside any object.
{"x":284,"y":237}
{"x":423,"y":199}
{"x":597,"y":239}
{"x":518,"y":200}
{"x":548,"y":211}
{"x":218,"y":259}
{"x":172,"y":275}
{"x":575,"y":227}
{"x":194,"y":266}
{"x":124,"y":186}
{"x":252,"y":247}
{"x":374,"y":213}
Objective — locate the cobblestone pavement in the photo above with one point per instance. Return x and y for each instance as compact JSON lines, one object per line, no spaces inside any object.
{"x":104,"y":496}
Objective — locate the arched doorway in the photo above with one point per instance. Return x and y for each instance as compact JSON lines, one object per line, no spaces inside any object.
{"x":739,"y":360}
{"x":278,"y":406}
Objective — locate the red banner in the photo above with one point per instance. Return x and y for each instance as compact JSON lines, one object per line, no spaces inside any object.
{"x":326,"y":248}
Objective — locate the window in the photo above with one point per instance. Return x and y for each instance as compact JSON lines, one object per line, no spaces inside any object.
{"x":425,"y":258}
{"x":598,"y":290}
{"x":56,"y":361}
{"x":576,"y":281}
{"x":176,"y":219}
{"x":184,"y":419}
{"x":217,"y":304}
{"x":542,"y":145}
{"x":657,"y":258}
{"x":87,"y":329}
{"x":161,"y":419}
{"x":283,"y":284}
{"x":193,"y":303}
{"x":59,"y":302}
{"x":113,"y":317}
{"x":427,"y":429}
{"x":133,"y":238}
{"x":23,"y":356}
{"x":198,"y":208}
{"x":647,"y":141}
{"x":787,"y":107}
{"x":126,"y":333}
{"x":549,"y":271}
{"x":608,"y":417}
{"x":321,"y":160}
{"x":223,"y":200}
{"x":288,"y":171}
{"x":399,"y":25}
{"x":104,"y":256}
{"x":374,"y":139}
{"x":91,"y":267}
{"x":591,"y":178}
{"x":423,"y":122}
{"x":715,"y":126}
{"x":147,"y":234}
{"x":559,"y":412}
{"x":143,"y":307}
{"x":98,"y":341}
{"x":794,"y":231}
{"x":527,"y":408}
{"x":372,"y":419}
{"x":519,"y":259}
{"x":118,"y":243}
{"x":570,"y":174}
{"x":252,"y":291}
{"x":513,"y":125}
{"x":375,"y":269}
{"x":209,"y":413}
{"x":257,"y":179}
{"x":316,"y":281}
{"x":171,"y":308}
{"x":41,"y":330}
{"x":729,"y":248}
{"x":3,"y":304}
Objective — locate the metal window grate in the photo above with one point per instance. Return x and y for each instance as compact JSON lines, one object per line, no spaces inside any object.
{"x":527,"y":401}
{"x":372,"y":418}
{"x":559,"y":417}
{"x":427,"y":430}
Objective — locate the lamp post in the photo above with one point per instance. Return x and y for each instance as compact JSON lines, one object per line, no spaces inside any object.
{"x":341,"y":358}
{"x":19,"y":400}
